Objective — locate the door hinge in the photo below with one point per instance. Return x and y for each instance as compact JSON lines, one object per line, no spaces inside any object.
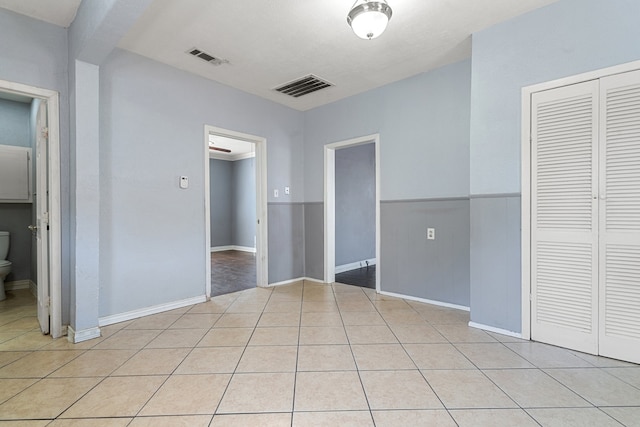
{"x":45,"y":217}
{"x":45,"y":132}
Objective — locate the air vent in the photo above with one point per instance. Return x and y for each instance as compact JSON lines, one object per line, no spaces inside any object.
{"x":303,"y":86}
{"x":206,"y":57}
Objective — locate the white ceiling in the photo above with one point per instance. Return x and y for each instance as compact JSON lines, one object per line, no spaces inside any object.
{"x":272,"y":42}
{"x":239,"y":149}
{"x":58,"y":12}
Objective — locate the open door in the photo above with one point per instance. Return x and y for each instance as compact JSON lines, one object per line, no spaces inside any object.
{"x":42,"y":217}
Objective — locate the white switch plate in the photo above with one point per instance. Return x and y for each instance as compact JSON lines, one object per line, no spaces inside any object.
{"x":275,"y":193}
{"x":431,"y":234}
{"x":286,"y":190}
{"x":184,"y":182}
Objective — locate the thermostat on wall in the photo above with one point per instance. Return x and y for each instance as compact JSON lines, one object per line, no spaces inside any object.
{"x":184,"y":182}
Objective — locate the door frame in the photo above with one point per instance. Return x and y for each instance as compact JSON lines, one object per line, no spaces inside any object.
{"x":330,"y":203}
{"x":54,"y":248}
{"x":262,"y":247}
{"x":525,"y":178}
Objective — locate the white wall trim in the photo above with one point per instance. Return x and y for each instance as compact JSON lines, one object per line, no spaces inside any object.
{"x":55,"y":229}
{"x":354,"y":265}
{"x":262,"y":232}
{"x":233,"y":248}
{"x":525,"y":178}
{"x":299,"y":279}
{"x":495,"y":330}
{"x":76,"y":337}
{"x":330,"y":202}
{"x":286,"y":282}
{"x":17,"y":284}
{"x":311,"y":279}
{"x":426,"y":301}
{"x":135,"y":314}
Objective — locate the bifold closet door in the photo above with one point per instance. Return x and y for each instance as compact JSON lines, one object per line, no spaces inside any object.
{"x":620,"y":217}
{"x":564,"y":216}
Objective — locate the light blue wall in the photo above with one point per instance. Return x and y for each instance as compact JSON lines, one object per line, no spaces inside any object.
{"x":565,"y":38}
{"x":423,"y":123}
{"x":355,"y":216}
{"x":152,"y":124}
{"x":233,"y":202}
{"x":16,"y":217}
{"x":244,"y":202}
{"x":14,"y":123}
{"x":221,"y":202}
{"x":33,"y":52}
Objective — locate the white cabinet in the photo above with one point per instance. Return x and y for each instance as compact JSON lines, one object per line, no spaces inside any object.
{"x":16,"y":182}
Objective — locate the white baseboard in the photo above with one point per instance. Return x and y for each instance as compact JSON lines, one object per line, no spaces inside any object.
{"x":285,"y":282}
{"x":426,"y":301}
{"x":311,"y":279}
{"x":17,"y":284}
{"x":134,"y":314}
{"x":299,"y":279}
{"x":354,"y":265}
{"x":34,"y":289}
{"x":84,"y":335}
{"x":233,"y":248}
{"x":496,"y":330}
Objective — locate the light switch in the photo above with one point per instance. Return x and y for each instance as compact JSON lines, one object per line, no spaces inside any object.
{"x":275,"y":193}
{"x":431,"y":234}
{"x":286,"y":190}
{"x":184,"y":182}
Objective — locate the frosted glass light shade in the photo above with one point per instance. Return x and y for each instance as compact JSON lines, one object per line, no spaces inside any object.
{"x":369,"y":19}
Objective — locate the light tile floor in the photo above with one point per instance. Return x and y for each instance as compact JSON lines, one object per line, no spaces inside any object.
{"x":303,"y":355}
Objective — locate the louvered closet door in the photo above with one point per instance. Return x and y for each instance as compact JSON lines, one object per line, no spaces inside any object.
{"x":564,"y":240}
{"x":620,"y":216}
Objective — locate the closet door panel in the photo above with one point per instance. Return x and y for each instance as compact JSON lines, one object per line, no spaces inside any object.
{"x":620,"y":216}
{"x":564,"y":216}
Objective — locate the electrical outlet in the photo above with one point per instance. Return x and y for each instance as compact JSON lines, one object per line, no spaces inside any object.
{"x":431,"y":234}
{"x":286,"y":190}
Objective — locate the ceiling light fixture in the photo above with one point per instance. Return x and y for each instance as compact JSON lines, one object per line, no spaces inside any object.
{"x":368,"y":19}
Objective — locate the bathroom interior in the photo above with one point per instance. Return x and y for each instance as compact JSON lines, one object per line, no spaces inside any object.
{"x":18,"y":256}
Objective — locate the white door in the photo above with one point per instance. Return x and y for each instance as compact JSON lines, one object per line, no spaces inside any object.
{"x":620,"y":216}
{"x":42,"y":217}
{"x":564,"y":229}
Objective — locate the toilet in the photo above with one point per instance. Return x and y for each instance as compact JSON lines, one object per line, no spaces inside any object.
{"x":5,"y":266}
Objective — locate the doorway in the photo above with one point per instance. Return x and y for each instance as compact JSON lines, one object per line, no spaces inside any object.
{"x":235,"y":211}
{"x":47,"y":227}
{"x":351,"y":250}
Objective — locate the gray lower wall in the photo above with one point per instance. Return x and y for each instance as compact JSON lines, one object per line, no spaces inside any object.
{"x":220,"y":201}
{"x":355,"y":181}
{"x":286,"y":241}
{"x":412,"y":265}
{"x":495,"y":261}
{"x":314,"y":240}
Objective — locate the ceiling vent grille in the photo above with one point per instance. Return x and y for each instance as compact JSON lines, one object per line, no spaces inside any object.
{"x":207,"y":57}
{"x":303,"y":86}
